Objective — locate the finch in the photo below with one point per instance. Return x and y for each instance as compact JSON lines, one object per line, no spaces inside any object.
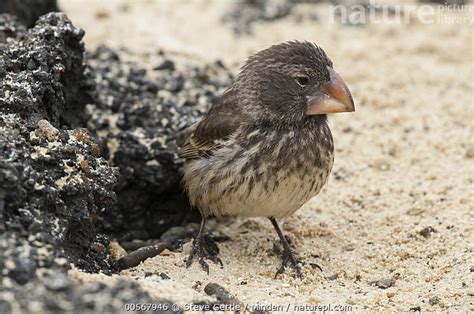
{"x":265,"y":148}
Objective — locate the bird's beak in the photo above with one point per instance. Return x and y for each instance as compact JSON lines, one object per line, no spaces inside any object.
{"x":331,"y":97}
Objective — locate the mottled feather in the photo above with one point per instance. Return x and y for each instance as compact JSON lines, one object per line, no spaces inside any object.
{"x":214,"y":129}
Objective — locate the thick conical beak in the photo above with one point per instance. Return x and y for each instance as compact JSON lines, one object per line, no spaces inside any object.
{"x":331,"y":97}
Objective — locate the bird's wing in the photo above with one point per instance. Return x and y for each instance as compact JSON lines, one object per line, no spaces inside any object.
{"x":215,"y":128}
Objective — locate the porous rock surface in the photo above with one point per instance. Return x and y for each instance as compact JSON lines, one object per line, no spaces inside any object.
{"x":53,"y":181}
{"x":42,"y":74}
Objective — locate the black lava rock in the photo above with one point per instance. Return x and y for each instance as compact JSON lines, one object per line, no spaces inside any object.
{"x":142,"y":119}
{"x":53,"y":182}
{"x":28,"y":11}
{"x":54,"y":186}
{"x":42,"y":73}
{"x":60,"y":294}
{"x":248,"y":12}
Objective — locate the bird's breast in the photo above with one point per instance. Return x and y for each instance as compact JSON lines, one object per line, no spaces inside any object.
{"x":261,"y":173}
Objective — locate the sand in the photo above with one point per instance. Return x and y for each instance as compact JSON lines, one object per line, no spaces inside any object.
{"x":399,"y":204}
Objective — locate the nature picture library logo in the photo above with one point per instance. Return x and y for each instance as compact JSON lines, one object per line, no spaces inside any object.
{"x":374,"y":12}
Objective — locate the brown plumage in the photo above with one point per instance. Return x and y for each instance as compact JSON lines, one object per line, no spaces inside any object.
{"x":265,"y":148}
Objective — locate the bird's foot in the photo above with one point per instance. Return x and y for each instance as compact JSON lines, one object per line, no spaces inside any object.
{"x":289,"y":256}
{"x":204,"y":248}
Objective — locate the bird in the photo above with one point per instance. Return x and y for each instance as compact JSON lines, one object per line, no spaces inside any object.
{"x":264,"y":148}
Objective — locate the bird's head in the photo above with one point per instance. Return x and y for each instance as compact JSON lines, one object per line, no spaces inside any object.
{"x":291,"y":81}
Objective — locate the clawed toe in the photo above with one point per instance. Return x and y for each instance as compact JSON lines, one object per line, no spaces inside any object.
{"x":202,"y":251}
{"x":289,"y":256}
{"x":216,"y":260}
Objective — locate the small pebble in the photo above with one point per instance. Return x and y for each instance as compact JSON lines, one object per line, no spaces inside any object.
{"x":426,"y":232}
{"x":332,"y":277}
{"x":221,"y":294}
{"x":164,"y":276}
{"x":434,"y":300}
{"x":390,"y":294}
{"x":165,"y":65}
{"x":166,"y":252}
{"x":101,"y":14}
{"x":116,"y":251}
{"x":383,"y":283}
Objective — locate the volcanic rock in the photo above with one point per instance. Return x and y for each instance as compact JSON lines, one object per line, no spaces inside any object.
{"x":28,"y":11}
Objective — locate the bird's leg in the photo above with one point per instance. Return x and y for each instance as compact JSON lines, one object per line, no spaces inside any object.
{"x":201,"y":250}
{"x":288,"y":254}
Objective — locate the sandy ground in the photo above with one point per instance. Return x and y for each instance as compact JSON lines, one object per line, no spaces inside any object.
{"x":404,"y":161}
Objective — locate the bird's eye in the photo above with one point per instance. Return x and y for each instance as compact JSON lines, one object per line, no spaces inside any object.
{"x":302,"y":80}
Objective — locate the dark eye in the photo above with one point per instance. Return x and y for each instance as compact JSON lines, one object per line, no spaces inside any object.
{"x":302,"y":80}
